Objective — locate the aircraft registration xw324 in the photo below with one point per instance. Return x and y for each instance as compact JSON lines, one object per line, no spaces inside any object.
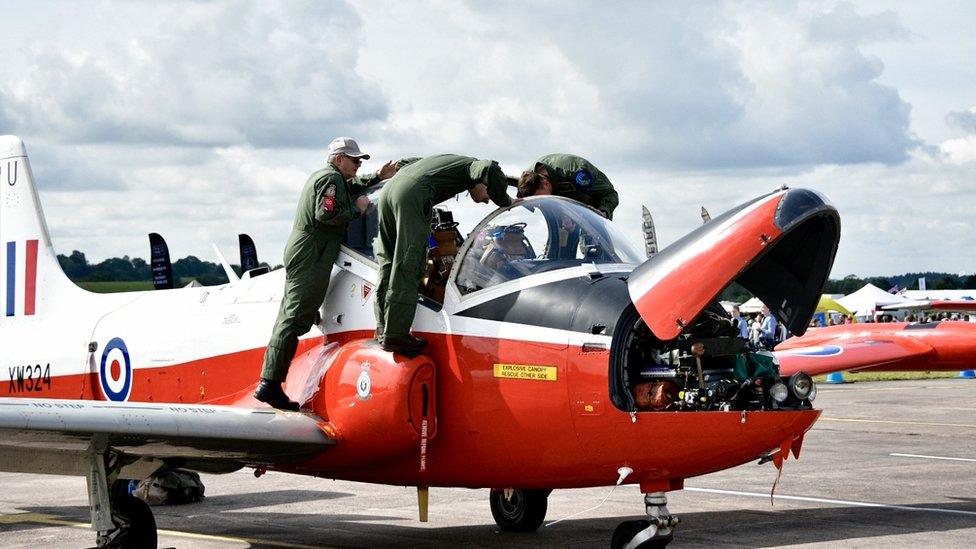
{"x":558,"y":358}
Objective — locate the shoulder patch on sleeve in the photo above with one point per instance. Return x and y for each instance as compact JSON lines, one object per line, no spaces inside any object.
{"x":328,"y":203}
{"x":583,"y":180}
{"x":328,"y":198}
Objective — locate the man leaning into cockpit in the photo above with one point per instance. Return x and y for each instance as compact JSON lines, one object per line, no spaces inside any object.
{"x":570,"y":176}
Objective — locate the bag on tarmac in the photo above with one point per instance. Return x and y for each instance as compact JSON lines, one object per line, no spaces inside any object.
{"x":170,"y":488}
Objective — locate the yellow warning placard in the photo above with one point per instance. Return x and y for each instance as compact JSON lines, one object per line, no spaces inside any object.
{"x":526,"y":371}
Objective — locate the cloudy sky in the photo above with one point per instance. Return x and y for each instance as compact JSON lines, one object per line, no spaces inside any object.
{"x":200,"y":120}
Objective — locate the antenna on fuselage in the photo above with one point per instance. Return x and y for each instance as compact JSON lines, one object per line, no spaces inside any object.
{"x":650,"y":235}
{"x":228,"y":270}
{"x":706,"y":217}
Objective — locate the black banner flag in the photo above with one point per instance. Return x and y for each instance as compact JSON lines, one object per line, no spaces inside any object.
{"x":249,"y":253}
{"x":162,"y":268}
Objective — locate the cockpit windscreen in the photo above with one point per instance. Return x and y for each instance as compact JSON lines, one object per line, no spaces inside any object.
{"x":537,"y":235}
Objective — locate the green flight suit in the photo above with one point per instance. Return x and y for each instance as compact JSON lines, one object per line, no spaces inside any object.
{"x":326,"y":205}
{"x":406,"y":205}
{"x":574,"y":177}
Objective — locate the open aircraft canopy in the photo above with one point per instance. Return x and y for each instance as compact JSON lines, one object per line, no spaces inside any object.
{"x":779,"y":246}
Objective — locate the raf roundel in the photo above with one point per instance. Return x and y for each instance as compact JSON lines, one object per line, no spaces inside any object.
{"x":818,"y":351}
{"x":115,"y":371}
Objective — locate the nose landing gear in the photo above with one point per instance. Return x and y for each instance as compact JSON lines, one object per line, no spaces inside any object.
{"x":517,"y":510}
{"x":654,"y":533}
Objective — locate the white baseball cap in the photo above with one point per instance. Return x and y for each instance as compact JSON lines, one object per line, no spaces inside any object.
{"x":348,"y":147}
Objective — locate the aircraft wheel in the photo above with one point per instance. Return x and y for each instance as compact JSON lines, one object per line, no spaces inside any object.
{"x":523,"y":512}
{"x":626,"y":531}
{"x":134,"y":518}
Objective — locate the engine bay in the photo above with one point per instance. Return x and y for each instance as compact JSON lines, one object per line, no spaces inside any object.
{"x":707,"y":368}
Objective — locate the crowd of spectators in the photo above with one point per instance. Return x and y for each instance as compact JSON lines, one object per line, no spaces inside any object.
{"x":938,"y":317}
{"x":764,"y":331}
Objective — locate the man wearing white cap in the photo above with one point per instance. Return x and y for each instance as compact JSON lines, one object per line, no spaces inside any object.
{"x":331,"y":198}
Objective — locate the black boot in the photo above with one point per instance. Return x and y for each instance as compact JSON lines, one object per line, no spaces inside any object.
{"x":270,"y":393}
{"x":409,"y":346}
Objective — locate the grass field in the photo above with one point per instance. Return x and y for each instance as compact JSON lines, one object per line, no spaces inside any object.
{"x":131,"y":286}
{"x":850,"y":377}
{"x":110,"y":287}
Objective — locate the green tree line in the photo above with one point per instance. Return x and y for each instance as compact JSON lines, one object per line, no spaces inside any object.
{"x":126,"y":269}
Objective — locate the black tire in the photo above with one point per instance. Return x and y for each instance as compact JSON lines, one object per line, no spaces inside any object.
{"x":135,"y":519}
{"x":626,"y":531}
{"x":523,"y":512}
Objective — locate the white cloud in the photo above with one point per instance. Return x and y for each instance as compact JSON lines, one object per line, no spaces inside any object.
{"x":895,"y":219}
{"x":961,"y":151}
{"x":204,"y":74}
{"x":725,"y":85}
{"x":192,"y":203}
{"x":964,"y":120}
{"x":202,"y":120}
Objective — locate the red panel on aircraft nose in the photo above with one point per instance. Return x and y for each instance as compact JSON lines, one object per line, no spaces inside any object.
{"x":672,"y":288}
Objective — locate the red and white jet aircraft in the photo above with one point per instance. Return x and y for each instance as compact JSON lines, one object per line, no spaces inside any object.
{"x":558,"y":358}
{"x":884,"y":347}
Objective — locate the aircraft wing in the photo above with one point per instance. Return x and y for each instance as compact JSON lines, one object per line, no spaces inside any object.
{"x":933,"y":305}
{"x":36,"y":433}
{"x":852,"y":354}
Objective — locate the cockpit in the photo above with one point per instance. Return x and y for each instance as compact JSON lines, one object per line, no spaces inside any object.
{"x":531,"y":236}
{"x":537,"y":235}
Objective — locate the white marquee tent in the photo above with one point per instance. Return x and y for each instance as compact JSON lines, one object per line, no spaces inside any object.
{"x":751,"y":306}
{"x":868,"y":299}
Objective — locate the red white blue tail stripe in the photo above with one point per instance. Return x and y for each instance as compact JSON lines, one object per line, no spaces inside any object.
{"x":28,"y":282}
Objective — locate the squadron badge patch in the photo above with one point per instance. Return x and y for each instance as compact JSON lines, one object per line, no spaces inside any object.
{"x":328,"y":201}
{"x":583,"y":180}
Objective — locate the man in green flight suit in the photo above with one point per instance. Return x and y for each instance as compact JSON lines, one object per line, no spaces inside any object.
{"x":570,"y":176}
{"x":406,"y":206}
{"x":331,"y":198}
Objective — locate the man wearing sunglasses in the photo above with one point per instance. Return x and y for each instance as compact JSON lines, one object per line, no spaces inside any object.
{"x":330,"y":199}
{"x":570,"y":176}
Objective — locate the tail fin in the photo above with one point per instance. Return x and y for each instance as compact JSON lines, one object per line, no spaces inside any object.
{"x":29,"y":268}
